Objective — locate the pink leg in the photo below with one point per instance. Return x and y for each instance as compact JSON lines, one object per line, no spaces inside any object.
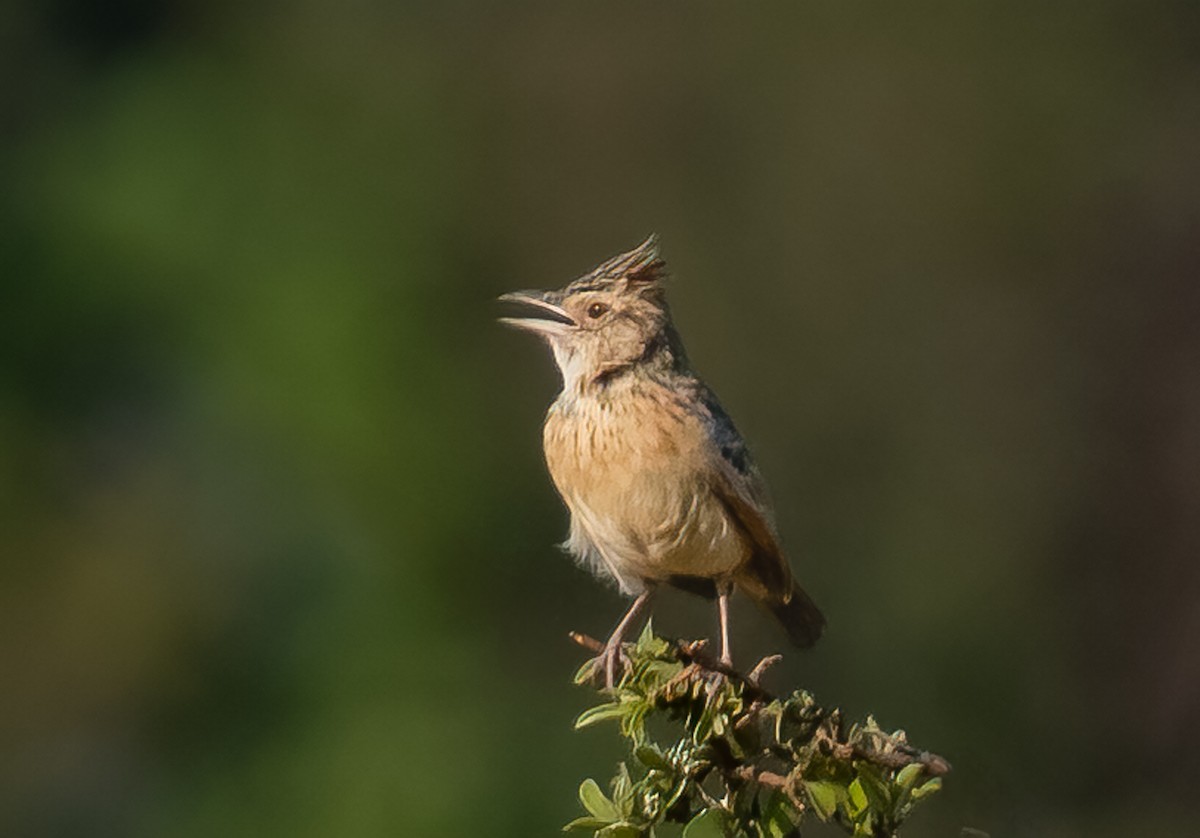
{"x":612,"y":649}
{"x":723,"y":612}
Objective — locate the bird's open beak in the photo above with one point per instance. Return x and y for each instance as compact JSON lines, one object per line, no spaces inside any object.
{"x":544,"y":317}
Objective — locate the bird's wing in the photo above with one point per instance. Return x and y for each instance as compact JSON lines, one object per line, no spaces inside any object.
{"x":741,"y":489}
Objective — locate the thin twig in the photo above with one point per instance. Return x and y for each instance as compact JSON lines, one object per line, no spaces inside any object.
{"x":934,"y":765}
{"x":695,"y":652}
{"x":589,"y":643}
{"x":761,"y":668}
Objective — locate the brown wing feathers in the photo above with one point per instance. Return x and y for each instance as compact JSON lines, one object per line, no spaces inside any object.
{"x":766,"y":578}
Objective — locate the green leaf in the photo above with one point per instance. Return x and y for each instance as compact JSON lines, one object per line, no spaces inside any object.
{"x":719,"y":722}
{"x":778,"y":820}
{"x":878,"y":794}
{"x":659,"y":672}
{"x":927,"y":789}
{"x":858,"y":798}
{"x":865,"y":827}
{"x":620,"y":830}
{"x":708,"y":824}
{"x":612,"y":710}
{"x":824,"y":796}
{"x":596,"y":803}
{"x":622,"y":790}
{"x":909,"y":774}
{"x":703,"y":727}
{"x":588,"y":824}
{"x":650,"y":645}
{"x":586,"y":672}
{"x":651,"y":757}
{"x":680,"y":790}
{"x":647,"y":636}
{"x":902,"y":788}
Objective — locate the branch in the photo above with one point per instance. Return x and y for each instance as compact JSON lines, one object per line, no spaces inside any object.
{"x":695,"y":653}
{"x":746,"y":761}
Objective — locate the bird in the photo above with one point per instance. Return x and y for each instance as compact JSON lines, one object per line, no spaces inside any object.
{"x":660,"y":485}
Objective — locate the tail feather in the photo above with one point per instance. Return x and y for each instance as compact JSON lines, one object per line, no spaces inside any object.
{"x":798,"y":615}
{"x":767,"y":580}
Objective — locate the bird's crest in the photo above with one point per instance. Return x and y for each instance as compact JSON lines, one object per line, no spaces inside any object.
{"x":641,"y":266}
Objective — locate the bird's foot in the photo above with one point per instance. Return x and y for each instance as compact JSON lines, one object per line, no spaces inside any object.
{"x":612,"y":658}
{"x":714,"y":682}
{"x":611,"y":665}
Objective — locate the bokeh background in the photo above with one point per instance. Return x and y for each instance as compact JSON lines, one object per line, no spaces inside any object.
{"x":277,"y":540}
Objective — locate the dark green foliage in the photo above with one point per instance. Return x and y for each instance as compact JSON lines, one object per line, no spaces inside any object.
{"x":728,"y":759}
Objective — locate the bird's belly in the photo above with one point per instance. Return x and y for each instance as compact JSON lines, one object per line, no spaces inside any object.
{"x":634,"y":475}
{"x":678,"y":533}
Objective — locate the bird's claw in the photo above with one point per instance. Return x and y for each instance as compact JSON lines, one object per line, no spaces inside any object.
{"x":714,"y":682}
{"x":607,"y":664}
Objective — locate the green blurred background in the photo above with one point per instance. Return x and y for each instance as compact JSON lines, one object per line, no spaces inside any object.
{"x":277,"y":539}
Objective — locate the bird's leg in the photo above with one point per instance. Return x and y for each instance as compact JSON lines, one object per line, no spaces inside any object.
{"x":723,"y":612}
{"x":612,"y":649}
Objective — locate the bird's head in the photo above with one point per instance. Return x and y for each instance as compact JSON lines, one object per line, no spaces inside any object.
{"x":612,"y":319}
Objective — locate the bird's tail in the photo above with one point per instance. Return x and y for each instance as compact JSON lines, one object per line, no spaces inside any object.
{"x":798,"y":615}
{"x":790,"y":605}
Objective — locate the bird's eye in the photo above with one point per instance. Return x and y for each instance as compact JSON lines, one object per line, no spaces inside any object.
{"x":596,"y":310}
